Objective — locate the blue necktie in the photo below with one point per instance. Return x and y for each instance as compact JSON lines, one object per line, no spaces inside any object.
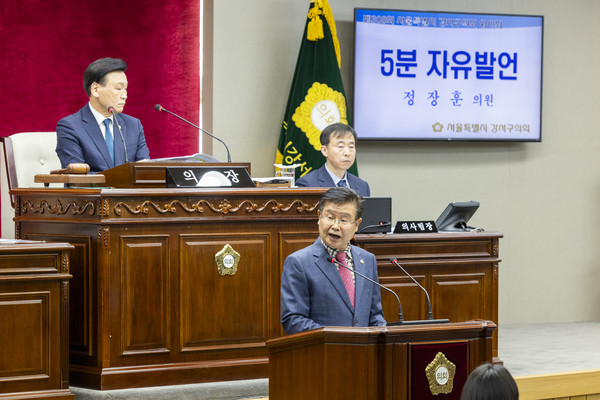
{"x":342,"y":183}
{"x":109,"y":139}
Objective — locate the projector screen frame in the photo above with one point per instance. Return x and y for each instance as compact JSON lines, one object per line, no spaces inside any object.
{"x":362,"y":128}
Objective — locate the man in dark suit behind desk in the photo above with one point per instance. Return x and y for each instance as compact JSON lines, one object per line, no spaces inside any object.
{"x":90,"y":135}
{"x":338,"y":145}
{"x":314,"y":291}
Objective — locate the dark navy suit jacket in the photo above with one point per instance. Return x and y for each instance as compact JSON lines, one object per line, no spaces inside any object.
{"x":321,"y":178}
{"x":80,"y":140}
{"x":313,"y":294}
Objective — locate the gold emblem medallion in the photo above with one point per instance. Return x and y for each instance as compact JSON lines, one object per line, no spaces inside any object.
{"x":440,"y":374}
{"x":322,"y":106}
{"x":227,"y":260}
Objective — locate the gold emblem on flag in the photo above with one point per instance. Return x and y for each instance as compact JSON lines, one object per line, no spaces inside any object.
{"x":322,"y":106}
{"x":440,"y":374}
{"x":227,"y":261}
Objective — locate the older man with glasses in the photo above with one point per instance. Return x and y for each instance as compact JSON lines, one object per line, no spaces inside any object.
{"x":316,"y":288}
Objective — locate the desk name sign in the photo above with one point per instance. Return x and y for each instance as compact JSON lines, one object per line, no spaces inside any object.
{"x":207,"y":177}
{"x":415,"y":227}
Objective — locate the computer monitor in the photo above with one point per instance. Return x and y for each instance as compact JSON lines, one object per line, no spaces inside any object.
{"x":377,"y":215}
{"x":455,"y":217}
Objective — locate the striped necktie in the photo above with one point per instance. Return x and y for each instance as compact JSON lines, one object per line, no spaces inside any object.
{"x":346,"y":276}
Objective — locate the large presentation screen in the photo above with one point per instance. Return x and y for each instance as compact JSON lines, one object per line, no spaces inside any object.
{"x":447,"y":76}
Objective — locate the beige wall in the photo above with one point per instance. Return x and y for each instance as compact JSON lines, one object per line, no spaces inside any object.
{"x":544,"y":197}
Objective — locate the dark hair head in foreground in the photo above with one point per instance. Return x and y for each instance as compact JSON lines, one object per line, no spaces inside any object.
{"x":490,"y":382}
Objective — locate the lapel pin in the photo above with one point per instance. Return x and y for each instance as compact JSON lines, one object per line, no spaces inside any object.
{"x":362,"y":261}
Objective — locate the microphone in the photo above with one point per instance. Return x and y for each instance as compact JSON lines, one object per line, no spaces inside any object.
{"x":111,"y":110}
{"x":158,"y":107}
{"x":377,"y":227}
{"x":429,"y":319}
{"x":332,"y":259}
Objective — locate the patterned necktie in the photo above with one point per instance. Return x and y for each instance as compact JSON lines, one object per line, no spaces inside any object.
{"x":346,"y":276}
{"x":342,"y":183}
{"x":109,"y":139}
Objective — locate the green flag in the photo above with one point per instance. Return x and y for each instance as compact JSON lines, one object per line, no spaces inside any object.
{"x":317,"y":97}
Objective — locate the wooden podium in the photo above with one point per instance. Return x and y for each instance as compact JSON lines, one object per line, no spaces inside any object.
{"x":420,"y":362}
{"x":151,"y":174}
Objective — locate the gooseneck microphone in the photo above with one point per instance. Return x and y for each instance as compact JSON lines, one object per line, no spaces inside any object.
{"x":111,"y":110}
{"x":382,"y":224}
{"x":158,"y":107}
{"x":429,"y":319}
{"x":332,"y":259}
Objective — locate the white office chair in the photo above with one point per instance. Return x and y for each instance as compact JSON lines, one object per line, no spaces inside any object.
{"x":24,"y":156}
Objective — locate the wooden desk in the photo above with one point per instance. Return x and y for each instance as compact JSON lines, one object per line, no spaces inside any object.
{"x":149,"y":306}
{"x":34,"y":306}
{"x":459,"y":271}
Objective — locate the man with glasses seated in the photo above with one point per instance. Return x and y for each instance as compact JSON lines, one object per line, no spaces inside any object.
{"x":338,"y":146}
{"x":317,"y":292}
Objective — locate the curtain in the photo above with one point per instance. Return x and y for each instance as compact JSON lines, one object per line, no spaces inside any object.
{"x":46,"y":45}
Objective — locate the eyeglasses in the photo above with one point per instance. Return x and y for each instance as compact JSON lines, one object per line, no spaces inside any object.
{"x":341,"y":222}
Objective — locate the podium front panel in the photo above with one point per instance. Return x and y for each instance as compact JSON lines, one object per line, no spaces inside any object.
{"x":376,"y":363}
{"x":422,"y":355}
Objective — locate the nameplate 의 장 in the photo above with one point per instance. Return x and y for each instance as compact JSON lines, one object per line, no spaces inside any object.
{"x":207,"y":177}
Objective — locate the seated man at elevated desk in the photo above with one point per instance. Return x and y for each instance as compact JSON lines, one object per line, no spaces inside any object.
{"x":338,"y":145}
{"x":91,"y":135}
{"x":317,"y":292}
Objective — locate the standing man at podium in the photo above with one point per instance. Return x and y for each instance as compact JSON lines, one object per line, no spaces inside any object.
{"x":315,"y":290}
{"x":96,"y":136}
{"x":338,"y":145}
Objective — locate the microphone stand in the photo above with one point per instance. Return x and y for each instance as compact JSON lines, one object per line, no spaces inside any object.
{"x":400,"y":317}
{"x":158,"y":107}
{"x":111,"y":110}
{"x":429,"y":319}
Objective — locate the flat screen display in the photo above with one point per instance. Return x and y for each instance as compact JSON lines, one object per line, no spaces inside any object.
{"x":377,"y":215}
{"x":447,"y":76}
